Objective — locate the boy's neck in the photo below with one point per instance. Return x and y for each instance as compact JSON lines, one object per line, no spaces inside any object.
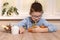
{"x":33,"y":21}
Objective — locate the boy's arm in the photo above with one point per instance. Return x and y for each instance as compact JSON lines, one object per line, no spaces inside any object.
{"x":43,"y":29}
{"x":51,"y":28}
{"x":21,"y":25}
{"x":38,"y":29}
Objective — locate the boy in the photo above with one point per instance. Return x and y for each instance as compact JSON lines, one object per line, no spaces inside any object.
{"x":36,"y":12}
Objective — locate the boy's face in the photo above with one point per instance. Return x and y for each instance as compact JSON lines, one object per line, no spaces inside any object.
{"x":36,"y":16}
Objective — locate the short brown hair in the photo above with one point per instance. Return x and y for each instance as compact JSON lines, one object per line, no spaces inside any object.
{"x":36,"y":7}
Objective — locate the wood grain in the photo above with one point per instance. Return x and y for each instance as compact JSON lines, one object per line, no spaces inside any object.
{"x":30,"y":36}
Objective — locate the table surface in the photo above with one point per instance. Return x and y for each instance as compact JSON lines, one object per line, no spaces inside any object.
{"x":30,"y":36}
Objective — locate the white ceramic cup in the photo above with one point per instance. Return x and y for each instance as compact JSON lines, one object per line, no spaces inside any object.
{"x":15,"y":30}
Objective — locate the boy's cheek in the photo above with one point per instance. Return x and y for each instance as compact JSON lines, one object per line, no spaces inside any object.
{"x":33,"y":19}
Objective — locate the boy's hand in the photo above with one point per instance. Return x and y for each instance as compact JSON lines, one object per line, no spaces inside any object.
{"x":22,"y":30}
{"x":30,"y":29}
{"x":38,"y":29}
{"x":33,"y":29}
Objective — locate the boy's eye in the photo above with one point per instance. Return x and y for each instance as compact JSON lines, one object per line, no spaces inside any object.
{"x":36,"y":16}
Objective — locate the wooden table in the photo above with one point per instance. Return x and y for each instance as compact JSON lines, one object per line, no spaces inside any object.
{"x":30,"y":36}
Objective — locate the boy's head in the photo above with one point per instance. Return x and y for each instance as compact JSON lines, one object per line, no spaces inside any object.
{"x":36,"y":11}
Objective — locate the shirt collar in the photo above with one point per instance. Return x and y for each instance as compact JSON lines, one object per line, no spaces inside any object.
{"x":32,"y":20}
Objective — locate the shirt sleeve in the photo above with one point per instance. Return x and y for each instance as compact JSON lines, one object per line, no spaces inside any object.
{"x":22,"y":23}
{"x":51,"y":28}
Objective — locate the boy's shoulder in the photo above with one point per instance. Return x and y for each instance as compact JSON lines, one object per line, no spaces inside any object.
{"x":27,"y":18}
{"x":42,"y":19}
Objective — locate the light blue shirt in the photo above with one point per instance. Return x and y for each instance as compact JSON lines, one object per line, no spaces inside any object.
{"x":27,"y":23}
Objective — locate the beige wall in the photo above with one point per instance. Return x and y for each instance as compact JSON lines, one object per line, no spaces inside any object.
{"x":51,"y":7}
{"x":58,"y":5}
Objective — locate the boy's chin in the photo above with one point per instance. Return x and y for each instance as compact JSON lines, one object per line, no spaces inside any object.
{"x":36,"y":20}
